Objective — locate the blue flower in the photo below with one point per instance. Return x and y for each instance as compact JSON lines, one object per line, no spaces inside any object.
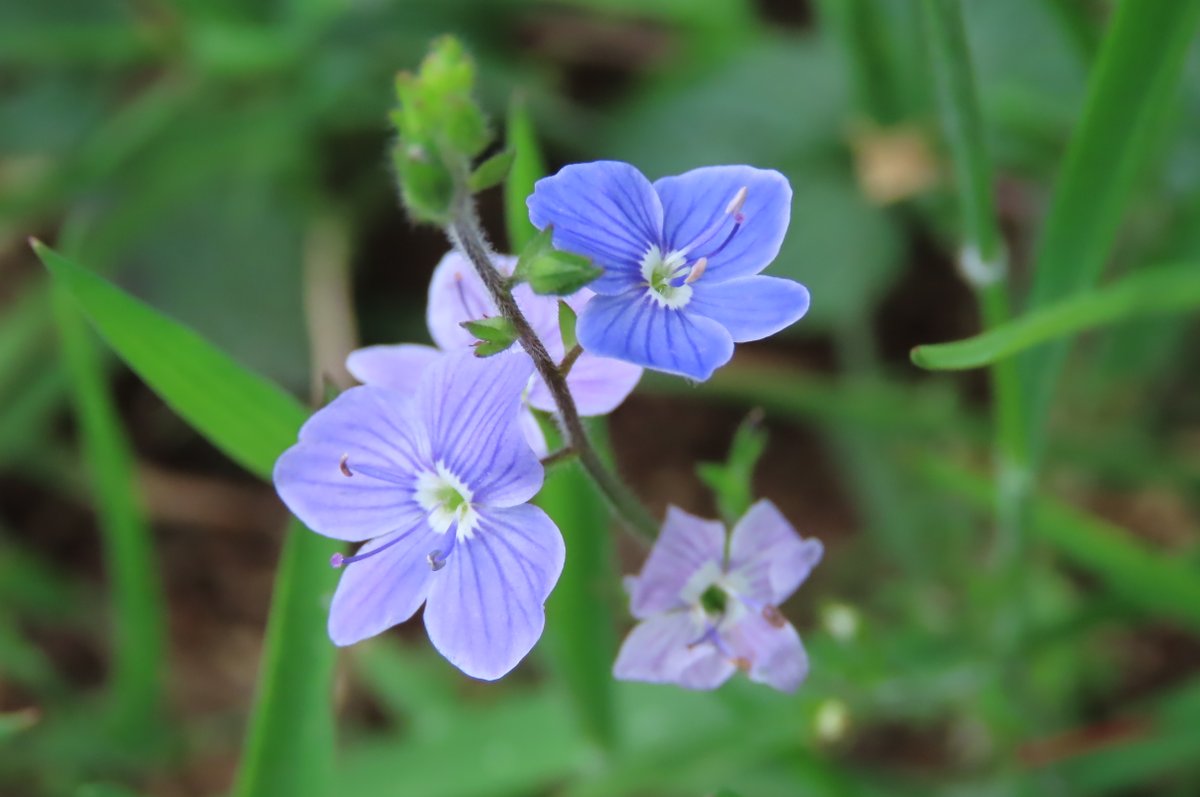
{"x":682,"y":259}
{"x":708,"y":610}
{"x":439,"y":484}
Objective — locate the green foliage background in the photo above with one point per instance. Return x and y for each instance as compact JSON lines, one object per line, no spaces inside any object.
{"x":197,"y":164}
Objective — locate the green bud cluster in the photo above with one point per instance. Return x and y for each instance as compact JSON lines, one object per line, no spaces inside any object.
{"x":441,"y":130}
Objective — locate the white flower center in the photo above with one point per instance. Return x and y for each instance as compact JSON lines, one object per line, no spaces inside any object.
{"x":665,"y":276}
{"x":447,"y":501}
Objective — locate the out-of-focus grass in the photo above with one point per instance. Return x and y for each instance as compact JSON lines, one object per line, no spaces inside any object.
{"x":201,"y":140}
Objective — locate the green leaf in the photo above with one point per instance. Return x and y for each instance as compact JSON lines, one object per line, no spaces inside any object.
{"x":527,"y":168}
{"x":139,"y":639}
{"x":244,"y":415}
{"x":492,"y":171}
{"x":732,"y":481}
{"x":1152,"y":291}
{"x":1131,"y":95}
{"x":290,"y":741}
{"x":580,"y":630}
{"x":493,"y":335}
{"x":566,"y":325}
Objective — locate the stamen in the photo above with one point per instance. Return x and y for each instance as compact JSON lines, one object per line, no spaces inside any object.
{"x":742,"y":663}
{"x":337,"y":560}
{"x":773,"y":616}
{"x":738,"y":202}
{"x":697,"y":271}
{"x":437,"y":558}
{"x":732,"y":210}
{"x":383,"y":474}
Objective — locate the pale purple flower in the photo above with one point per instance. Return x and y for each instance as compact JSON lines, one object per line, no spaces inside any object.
{"x":457,"y":294}
{"x":681,"y":257}
{"x":438,"y":483}
{"x":707,"y":611}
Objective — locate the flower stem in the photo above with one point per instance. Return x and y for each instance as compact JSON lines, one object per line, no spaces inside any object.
{"x":466,"y":233}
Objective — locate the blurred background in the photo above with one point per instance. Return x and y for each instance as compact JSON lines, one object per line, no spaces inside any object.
{"x":213,"y":157}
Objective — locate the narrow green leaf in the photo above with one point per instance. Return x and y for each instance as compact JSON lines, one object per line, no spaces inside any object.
{"x":1154,"y":582}
{"x":732,"y":481}
{"x":244,"y":415}
{"x":566,"y":324}
{"x":290,"y":744}
{"x":290,"y":740}
{"x":527,"y":168}
{"x":491,"y":172}
{"x":138,"y":643}
{"x":1131,"y":94}
{"x":1147,"y":292}
{"x":580,"y":629}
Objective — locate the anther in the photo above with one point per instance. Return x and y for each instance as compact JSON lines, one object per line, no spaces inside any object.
{"x":436,"y":560}
{"x":734,"y":208}
{"x":697,"y":271}
{"x":773,"y":616}
{"x":344,"y":467}
{"x":337,"y":560}
{"x":742,"y":663}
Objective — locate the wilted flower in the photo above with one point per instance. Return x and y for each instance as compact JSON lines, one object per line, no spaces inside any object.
{"x":457,"y":294}
{"x":438,"y":483}
{"x":706,"y":611}
{"x":682,"y":259}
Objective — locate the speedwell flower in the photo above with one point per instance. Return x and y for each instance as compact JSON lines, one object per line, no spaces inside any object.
{"x":682,"y":259}
{"x":457,"y":294}
{"x":438,"y":483}
{"x":706,"y":612}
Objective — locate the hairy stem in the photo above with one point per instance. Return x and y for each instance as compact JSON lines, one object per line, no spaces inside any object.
{"x":466,"y":234}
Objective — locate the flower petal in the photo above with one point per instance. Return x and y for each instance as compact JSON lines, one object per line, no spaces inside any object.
{"x":635,"y":328}
{"x":598,"y":384}
{"x":685,"y":545}
{"x":776,"y":655}
{"x":751,"y":308}
{"x":372,"y":427}
{"x":485,"y":609}
{"x":381,"y":591}
{"x":694,"y":201}
{"x":397,"y":367}
{"x":766,"y":551}
{"x":659,"y":650}
{"x":532,"y":432}
{"x":469,"y":406}
{"x":605,"y":210}
{"x":457,"y":294}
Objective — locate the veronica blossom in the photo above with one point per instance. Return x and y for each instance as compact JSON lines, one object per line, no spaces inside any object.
{"x":707,"y":612}
{"x":682,"y":258}
{"x":438,"y":485}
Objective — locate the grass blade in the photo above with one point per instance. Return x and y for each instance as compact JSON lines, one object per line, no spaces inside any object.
{"x":580,"y":627}
{"x":244,"y":415}
{"x":1130,"y":96}
{"x":289,"y":744}
{"x":1148,"y":292}
{"x":138,"y":641}
{"x":528,"y":167}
